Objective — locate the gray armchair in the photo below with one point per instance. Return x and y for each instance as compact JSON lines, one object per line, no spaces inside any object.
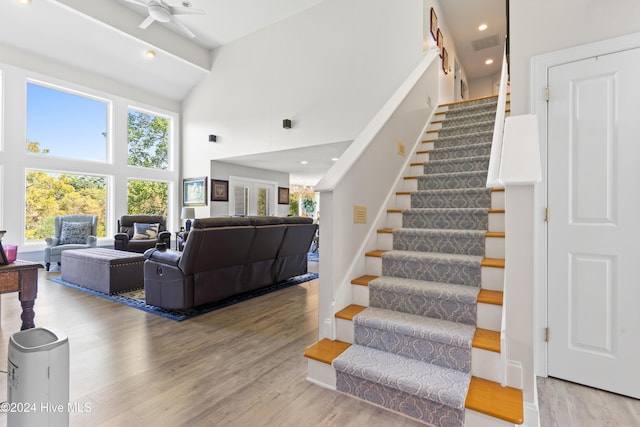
{"x":70,"y":232}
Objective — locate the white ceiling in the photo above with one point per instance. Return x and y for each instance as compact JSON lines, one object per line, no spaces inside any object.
{"x":102,"y":36}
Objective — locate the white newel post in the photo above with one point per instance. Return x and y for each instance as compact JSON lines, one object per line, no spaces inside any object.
{"x":520,"y":173}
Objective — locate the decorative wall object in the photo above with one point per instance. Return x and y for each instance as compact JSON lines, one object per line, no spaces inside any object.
{"x":283,"y":196}
{"x":445,"y":61}
{"x":219,"y":190}
{"x":434,"y":24}
{"x":440,"y":40}
{"x":194,"y":191}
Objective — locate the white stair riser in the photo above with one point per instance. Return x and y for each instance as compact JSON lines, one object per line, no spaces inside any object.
{"x":476,"y":419}
{"x":360,"y":295}
{"x":427,"y":145}
{"x":415,"y":170}
{"x":373,"y":265}
{"x":497,"y":200}
{"x":489,"y":316}
{"x":435,"y":126}
{"x":344,"y":330}
{"x":494,"y":247}
{"x":492,"y":278}
{"x":394,"y":220}
{"x":385,"y":241}
{"x":403,"y":201}
{"x":496,"y":221}
{"x":321,"y":373}
{"x":410,"y":185}
{"x":421,"y":157}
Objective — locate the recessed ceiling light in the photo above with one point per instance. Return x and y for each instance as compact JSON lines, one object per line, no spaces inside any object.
{"x":24,"y":1}
{"x":482,"y":27}
{"x":335,"y":159}
{"x":150,"y":54}
{"x":489,"y":61}
{"x":304,"y":162}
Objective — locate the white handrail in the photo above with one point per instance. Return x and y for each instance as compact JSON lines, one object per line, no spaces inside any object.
{"x":493,"y":176}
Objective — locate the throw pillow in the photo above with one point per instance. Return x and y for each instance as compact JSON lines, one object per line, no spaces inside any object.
{"x":74,"y":232}
{"x":142,"y":231}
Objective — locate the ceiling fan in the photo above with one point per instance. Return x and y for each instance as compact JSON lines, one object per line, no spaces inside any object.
{"x":162,"y":12}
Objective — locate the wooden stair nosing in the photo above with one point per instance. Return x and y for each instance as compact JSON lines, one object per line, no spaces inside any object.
{"x":363,"y":280}
{"x":349,"y":312}
{"x":403,"y":193}
{"x":486,"y":296}
{"x":464,"y":101}
{"x":410,"y":177}
{"x":484,"y":396}
{"x":493,"y":262}
{"x":497,"y":234}
{"x":495,"y":211}
{"x":375,"y":253}
{"x":416,"y":164}
{"x":497,"y":190}
{"x":385,"y":230}
{"x":395,"y":210}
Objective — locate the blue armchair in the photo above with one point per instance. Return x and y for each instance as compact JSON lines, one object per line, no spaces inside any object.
{"x":70,"y":232}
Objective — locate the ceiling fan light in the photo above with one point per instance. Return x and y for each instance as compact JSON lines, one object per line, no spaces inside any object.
{"x":159,"y":13}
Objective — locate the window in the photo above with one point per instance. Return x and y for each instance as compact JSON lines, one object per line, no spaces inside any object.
{"x":63,"y":124}
{"x":148,"y":137}
{"x":49,"y":194}
{"x":147,"y":197}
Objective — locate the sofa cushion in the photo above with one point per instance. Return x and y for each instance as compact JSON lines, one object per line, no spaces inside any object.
{"x":265,"y":220}
{"x":142,"y":231}
{"x":220,"y":222}
{"x":74,"y":232}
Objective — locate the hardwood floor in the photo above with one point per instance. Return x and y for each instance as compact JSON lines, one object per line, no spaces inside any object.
{"x":238,"y":366}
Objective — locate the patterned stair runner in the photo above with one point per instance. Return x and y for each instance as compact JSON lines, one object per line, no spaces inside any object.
{"x":412,"y":345}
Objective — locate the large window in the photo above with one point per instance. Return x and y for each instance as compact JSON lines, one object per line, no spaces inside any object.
{"x":49,"y":194}
{"x":148,"y":137}
{"x":147,"y":197}
{"x":64,"y":124}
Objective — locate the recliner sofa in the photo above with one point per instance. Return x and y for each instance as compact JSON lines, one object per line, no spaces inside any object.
{"x":224,"y":257}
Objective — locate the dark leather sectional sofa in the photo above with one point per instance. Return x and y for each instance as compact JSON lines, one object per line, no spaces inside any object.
{"x":224,"y":257}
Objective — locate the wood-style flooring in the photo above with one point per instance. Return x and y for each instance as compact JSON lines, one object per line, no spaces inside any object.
{"x":238,"y":366}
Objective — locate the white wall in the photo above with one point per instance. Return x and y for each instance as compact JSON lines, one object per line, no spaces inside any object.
{"x":484,"y":86}
{"x":223,"y":170}
{"x":329,"y":69}
{"x":542,"y":26}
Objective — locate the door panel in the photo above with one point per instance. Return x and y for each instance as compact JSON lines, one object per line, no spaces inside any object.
{"x":594,"y":228}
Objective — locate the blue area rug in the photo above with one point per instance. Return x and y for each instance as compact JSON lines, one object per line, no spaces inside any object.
{"x":135,"y":298}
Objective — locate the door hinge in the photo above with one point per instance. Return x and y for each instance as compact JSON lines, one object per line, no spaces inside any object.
{"x":547,"y":215}
{"x":547,"y":93}
{"x":546,"y":334}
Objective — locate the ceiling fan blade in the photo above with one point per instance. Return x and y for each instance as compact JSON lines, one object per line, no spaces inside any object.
{"x":141,"y":3}
{"x":182,"y":27}
{"x":146,"y":22}
{"x":185,"y":11}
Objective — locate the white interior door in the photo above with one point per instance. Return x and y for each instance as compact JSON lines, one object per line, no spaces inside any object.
{"x":594,"y":228}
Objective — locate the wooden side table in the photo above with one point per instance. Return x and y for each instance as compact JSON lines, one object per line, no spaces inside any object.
{"x":22,"y":276}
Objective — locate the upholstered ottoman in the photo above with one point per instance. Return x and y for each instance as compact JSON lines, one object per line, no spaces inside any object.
{"x":104,"y":270}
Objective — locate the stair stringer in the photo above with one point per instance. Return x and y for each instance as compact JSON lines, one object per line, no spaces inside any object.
{"x":357,"y":267}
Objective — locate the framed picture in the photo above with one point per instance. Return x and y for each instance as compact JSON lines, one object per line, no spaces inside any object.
{"x":283,"y":196}
{"x":440,"y":40}
{"x":194,"y":191}
{"x":219,"y":190}
{"x":434,"y":24}
{"x":445,"y":61}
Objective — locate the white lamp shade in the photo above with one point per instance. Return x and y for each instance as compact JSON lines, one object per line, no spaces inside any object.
{"x":188,"y":213}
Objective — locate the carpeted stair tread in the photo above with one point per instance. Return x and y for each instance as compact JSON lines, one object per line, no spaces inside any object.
{"x":425,"y":298}
{"x":477,"y":179}
{"x":438,"y":330}
{"x":451,"y":198}
{"x":437,"y":384}
{"x":463,"y":129}
{"x":440,"y":342}
{"x":461,"y":151}
{"x":467,"y":164}
{"x":474,"y":117}
{"x":433,"y":267}
{"x":446,"y":218}
{"x":465,"y":242}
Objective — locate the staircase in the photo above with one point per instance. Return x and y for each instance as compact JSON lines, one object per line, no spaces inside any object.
{"x":421,"y":337}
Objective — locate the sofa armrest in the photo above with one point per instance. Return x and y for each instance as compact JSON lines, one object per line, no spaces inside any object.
{"x":167,"y":257}
{"x":165,"y":237}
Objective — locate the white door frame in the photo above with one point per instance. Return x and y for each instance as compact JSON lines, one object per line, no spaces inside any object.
{"x":539,"y":71}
